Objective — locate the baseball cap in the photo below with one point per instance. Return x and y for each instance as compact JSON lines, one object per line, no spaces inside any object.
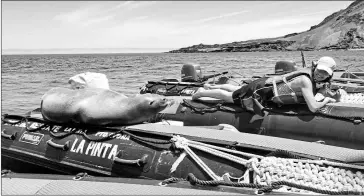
{"x":327,"y":64}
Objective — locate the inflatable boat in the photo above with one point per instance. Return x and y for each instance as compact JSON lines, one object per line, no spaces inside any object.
{"x":178,"y":156}
{"x":290,"y":150}
{"x":339,"y":124}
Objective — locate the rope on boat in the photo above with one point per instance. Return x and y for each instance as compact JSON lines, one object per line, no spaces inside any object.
{"x":144,"y":140}
{"x":181,"y":143}
{"x":148,"y":140}
{"x":74,"y":130}
{"x":225,"y":149}
{"x":171,"y":180}
{"x":283,"y":154}
{"x":261,"y":188}
{"x":272,"y":169}
{"x":270,"y":173}
{"x":109,"y":137}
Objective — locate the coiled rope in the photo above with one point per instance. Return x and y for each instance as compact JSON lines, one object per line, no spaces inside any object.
{"x":270,"y":173}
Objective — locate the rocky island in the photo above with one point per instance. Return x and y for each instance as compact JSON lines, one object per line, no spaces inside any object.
{"x":343,"y":29}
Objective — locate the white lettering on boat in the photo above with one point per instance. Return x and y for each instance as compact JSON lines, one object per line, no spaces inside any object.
{"x":35,"y":125}
{"x":90,"y":147}
{"x":107,"y":146}
{"x":80,"y":147}
{"x":67,"y":129}
{"x":117,"y":136}
{"x":113,"y":152}
{"x":31,"y":138}
{"x":98,"y":149}
{"x":56,"y":128}
{"x":188,"y":91}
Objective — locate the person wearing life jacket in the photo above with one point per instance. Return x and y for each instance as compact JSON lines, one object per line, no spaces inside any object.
{"x":296,"y":87}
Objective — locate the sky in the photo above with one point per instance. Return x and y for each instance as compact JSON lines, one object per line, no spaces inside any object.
{"x":147,"y":26}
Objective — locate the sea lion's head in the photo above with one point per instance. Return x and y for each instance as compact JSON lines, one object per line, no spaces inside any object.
{"x":156,"y":102}
{"x":151,"y":104}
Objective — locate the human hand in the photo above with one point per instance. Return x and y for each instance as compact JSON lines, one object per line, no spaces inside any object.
{"x":329,"y":100}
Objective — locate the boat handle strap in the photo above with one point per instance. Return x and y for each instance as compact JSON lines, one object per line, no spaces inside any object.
{"x":8,"y":136}
{"x":63,"y":147}
{"x":139,"y":162}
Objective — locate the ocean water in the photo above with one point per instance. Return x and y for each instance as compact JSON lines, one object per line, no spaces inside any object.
{"x":25,"y":78}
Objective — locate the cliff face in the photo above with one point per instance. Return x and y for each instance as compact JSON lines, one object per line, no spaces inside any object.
{"x":343,"y":29}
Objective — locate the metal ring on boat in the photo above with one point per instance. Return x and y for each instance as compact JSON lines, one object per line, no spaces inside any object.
{"x":4,"y":172}
{"x":358,"y":121}
{"x":162,"y":184}
{"x":257,"y":192}
{"x":63,"y":147}
{"x":139,"y":162}
{"x":7,"y":136}
{"x":80,"y":176}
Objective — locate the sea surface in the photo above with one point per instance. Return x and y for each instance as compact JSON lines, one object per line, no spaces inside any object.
{"x":25,"y":78}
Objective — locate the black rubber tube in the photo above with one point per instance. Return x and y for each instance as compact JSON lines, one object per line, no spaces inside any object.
{"x":8,"y":136}
{"x":63,"y":147}
{"x":139,"y":162}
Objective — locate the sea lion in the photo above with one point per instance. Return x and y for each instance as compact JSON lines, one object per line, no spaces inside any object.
{"x":98,"y":106}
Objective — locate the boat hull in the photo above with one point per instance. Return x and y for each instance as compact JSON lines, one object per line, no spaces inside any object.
{"x":344,"y":128}
{"x":116,"y":156}
{"x":287,"y":122}
{"x":154,"y":151}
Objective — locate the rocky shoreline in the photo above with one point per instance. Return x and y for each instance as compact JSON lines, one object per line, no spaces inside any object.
{"x":279,"y":45}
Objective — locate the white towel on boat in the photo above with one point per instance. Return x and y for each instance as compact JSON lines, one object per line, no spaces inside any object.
{"x":89,"y":80}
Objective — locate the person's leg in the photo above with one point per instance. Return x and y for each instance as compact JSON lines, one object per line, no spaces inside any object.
{"x":226,"y":87}
{"x":214,"y":93}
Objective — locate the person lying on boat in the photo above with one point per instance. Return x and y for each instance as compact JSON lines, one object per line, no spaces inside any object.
{"x":291,"y":88}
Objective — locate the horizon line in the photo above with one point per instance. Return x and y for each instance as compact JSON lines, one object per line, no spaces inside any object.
{"x":83,"y":51}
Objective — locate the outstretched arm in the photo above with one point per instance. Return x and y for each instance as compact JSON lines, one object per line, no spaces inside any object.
{"x":312,"y":104}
